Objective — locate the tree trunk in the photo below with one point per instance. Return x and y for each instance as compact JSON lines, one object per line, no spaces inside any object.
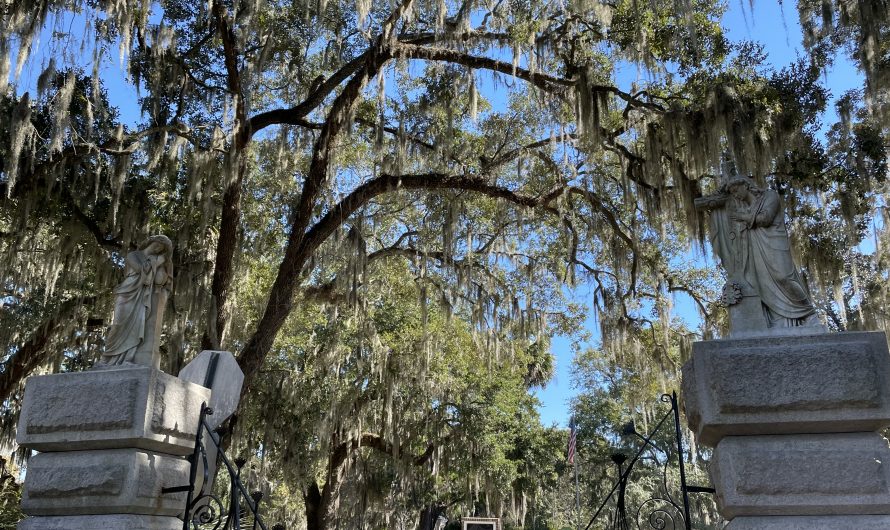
{"x":312,"y":500}
{"x":429,"y":515}
{"x":321,"y":505}
{"x":298,"y":249}
{"x":214,"y":335}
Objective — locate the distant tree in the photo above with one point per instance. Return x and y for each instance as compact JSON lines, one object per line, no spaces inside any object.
{"x":618,"y":403}
{"x":374,"y":431}
{"x":10,"y":496}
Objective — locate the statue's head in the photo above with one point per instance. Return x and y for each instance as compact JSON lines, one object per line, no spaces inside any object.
{"x":159,"y":244}
{"x":738,"y":186}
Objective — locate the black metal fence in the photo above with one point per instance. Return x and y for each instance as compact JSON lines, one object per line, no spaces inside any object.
{"x":667,"y":509}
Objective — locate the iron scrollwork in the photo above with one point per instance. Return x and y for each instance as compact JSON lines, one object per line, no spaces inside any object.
{"x":205,"y":510}
{"x":662,"y":511}
{"x":664,"y":514}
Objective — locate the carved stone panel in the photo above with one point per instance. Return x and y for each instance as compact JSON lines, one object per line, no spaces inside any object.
{"x":116,"y":481}
{"x":812,"y":474}
{"x":101,"y":522}
{"x":133,"y":406}
{"x":837,"y":382}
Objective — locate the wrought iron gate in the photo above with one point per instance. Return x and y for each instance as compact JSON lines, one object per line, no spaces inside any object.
{"x":204,"y":510}
{"x":663,"y":511}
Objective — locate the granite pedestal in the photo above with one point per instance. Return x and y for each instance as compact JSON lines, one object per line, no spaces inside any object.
{"x":135,"y":406}
{"x":102,"y":522}
{"x":110,"y":441}
{"x":794,"y":423}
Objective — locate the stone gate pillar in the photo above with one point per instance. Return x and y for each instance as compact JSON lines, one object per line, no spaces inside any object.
{"x":794,"y":422}
{"x":110,"y":440}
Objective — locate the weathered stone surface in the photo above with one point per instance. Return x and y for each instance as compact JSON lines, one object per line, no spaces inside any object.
{"x":101,"y":522}
{"x":816,"y":328}
{"x":838,"y":382}
{"x":112,"y":481}
{"x":218,"y":371}
{"x":748,"y":233}
{"x":805,"y":474}
{"x":825,"y":522}
{"x":131,"y":406}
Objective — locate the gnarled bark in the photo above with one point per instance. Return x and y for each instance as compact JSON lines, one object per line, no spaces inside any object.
{"x":230,"y":218}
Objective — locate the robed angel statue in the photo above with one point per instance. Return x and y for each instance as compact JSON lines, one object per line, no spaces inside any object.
{"x":764,"y":290}
{"x":139,"y":305}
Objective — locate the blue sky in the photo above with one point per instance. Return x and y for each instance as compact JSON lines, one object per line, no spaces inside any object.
{"x":780,"y":33}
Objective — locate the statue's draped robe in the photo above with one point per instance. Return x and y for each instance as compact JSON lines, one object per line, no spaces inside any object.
{"x":138,"y":308}
{"x":758,"y":253}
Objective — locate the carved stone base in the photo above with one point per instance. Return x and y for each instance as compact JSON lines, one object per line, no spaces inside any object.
{"x":114,"y":481}
{"x":748,"y":319}
{"x":794,"y":420}
{"x":804,"y":474}
{"x":825,"y":522}
{"x":127,"y":406}
{"x":101,"y":522}
{"x":833,"y":382}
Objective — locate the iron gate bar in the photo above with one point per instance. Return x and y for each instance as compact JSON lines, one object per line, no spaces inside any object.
{"x":236,"y":490}
{"x":679,"y":430}
{"x":193,"y":469}
{"x":624,"y":473}
{"x":700,"y":489}
{"x":623,"y":476}
{"x":175,"y":489}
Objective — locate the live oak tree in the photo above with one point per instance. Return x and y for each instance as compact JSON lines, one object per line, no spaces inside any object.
{"x":373,"y":432}
{"x":237,"y":96}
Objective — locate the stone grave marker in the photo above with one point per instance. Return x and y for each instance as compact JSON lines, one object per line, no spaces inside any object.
{"x":218,"y":371}
{"x":794,"y":413}
{"x":113,"y":438}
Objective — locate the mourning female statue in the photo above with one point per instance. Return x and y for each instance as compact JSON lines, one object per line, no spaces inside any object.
{"x":764,"y":288}
{"x":139,"y":305}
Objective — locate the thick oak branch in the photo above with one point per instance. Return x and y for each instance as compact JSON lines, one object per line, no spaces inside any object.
{"x":295,"y":254}
{"x":543,"y":81}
